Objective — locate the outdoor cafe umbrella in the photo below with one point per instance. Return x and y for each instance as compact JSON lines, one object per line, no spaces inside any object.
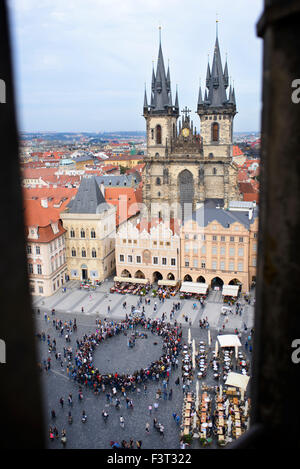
{"x":216,"y":347}
{"x":226,"y":407}
{"x":189,"y":336}
{"x":209,"y":340}
{"x":193,"y":356}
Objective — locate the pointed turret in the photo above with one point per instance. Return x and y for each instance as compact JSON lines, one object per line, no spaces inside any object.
{"x":207,"y":75}
{"x":145,"y":100}
{"x":233,"y":97}
{"x":217,"y":81}
{"x":168,"y":79}
{"x":200,"y":100}
{"x":153,"y":79}
{"x":176,"y":100}
{"x":161,"y":98}
{"x":225,"y":75}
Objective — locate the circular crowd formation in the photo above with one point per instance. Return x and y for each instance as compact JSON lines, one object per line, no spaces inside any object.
{"x":85,"y":372}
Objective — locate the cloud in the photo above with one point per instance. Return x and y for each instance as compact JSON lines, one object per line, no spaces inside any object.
{"x":101,"y":52}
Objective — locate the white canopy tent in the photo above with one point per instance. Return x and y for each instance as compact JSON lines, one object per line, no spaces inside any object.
{"x":194,"y":287}
{"x":237,"y":380}
{"x":167,"y":283}
{"x":230,"y":290}
{"x":131,"y":280}
{"x":229,"y":340}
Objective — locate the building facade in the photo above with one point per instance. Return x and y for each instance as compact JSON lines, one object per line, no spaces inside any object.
{"x":46,"y":258}
{"x":148,"y":250}
{"x":90,"y":225}
{"x":218,"y":247}
{"x":190,"y":180}
{"x":182,"y":167}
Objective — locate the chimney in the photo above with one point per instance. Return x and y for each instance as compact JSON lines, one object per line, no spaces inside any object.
{"x":44,"y":203}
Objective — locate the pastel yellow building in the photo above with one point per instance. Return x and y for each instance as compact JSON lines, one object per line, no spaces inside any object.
{"x":218,"y":247}
{"x":90,"y":225}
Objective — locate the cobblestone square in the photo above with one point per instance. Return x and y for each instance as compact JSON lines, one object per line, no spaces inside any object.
{"x":114,"y":355}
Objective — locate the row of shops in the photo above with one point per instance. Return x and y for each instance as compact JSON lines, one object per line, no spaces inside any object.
{"x":168,"y":288}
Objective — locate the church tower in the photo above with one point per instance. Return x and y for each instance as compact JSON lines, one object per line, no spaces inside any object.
{"x":216,"y":110}
{"x":161,"y":117}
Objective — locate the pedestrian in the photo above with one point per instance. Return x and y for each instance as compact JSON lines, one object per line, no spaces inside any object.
{"x":63,"y":437}
{"x":138,"y":444}
{"x":150,"y":409}
{"x":147,"y":428}
{"x":174,"y":415}
{"x":104,"y":415}
{"x":51,"y":434}
{"x":53,"y":415}
{"x":161,"y":430}
{"x":170,"y":394}
{"x":131,"y":443}
{"x":155,"y":405}
{"x":177,"y":419}
{"x":122,"y":422}
{"x":83,"y":417}
{"x":61,"y":401}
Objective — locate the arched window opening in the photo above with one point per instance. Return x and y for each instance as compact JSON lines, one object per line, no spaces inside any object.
{"x":158,"y":134}
{"x":215,"y":132}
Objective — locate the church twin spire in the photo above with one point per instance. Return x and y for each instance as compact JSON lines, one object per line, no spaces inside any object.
{"x":217,"y":81}
{"x":161,"y":93}
{"x":215,"y":94}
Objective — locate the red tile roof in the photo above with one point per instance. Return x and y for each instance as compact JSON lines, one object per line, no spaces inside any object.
{"x":236,"y":151}
{"x":57,"y":200}
{"x":126,"y":199}
{"x":46,"y":234}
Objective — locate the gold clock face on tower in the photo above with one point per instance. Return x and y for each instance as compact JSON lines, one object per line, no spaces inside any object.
{"x":185,"y":132}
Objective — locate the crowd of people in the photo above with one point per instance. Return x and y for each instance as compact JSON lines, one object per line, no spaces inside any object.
{"x":85,"y":372}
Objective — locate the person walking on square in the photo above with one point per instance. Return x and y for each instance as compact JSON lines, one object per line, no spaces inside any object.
{"x":122,"y":422}
{"x":63,"y":437}
{"x":147,"y":428}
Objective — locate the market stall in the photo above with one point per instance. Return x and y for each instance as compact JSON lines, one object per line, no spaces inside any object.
{"x":230,"y":293}
{"x":167,"y":288}
{"x":194,"y":289}
{"x":238,"y":380}
{"x":228,"y":340}
{"x":135,"y":286}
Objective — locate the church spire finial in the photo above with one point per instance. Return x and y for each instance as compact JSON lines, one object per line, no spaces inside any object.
{"x":217,"y":23}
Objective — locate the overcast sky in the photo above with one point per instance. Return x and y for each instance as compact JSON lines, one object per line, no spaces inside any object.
{"x":81,"y":65}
